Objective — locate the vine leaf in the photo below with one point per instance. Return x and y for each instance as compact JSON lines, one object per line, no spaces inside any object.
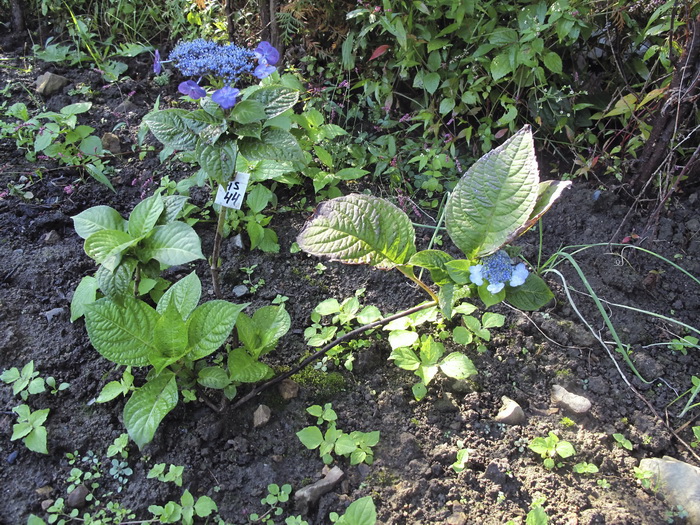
{"x":360,"y":229}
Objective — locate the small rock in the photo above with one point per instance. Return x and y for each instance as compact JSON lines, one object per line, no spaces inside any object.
{"x":12,"y":457}
{"x":111,"y":143}
{"x":446,"y":404}
{"x":49,"y":84}
{"x":568,"y":401}
{"x":46,"y":490}
{"x":76,"y":499}
{"x":126,"y":107}
{"x":598,"y":385}
{"x":237,"y":241}
{"x":679,"y":482}
{"x":458,"y":518}
{"x":511,"y":413}
{"x":50,"y":314}
{"x":288,"y":389}
{"x":45,"y":504}
{"x":51,"y":238}
{"x":462,"y":386}
{"x":310,"y":494}
{"x":240,"y":290}
{"x":261,"y":416}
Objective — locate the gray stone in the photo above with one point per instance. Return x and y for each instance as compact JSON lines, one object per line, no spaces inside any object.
{"x":309,"y":495}
{"x":111,"y":143}
{"x":240,"y":290}
{"x":562,"y":398}
{"x":511,"y":412}
{"x":288,"y":389}
{"x":496,"y":471}
{"x":51,"y":237}
{"x":261,"y":416}
{"x":679,"y":482}
{"x":457,"y":518}
{"x":49,"y":84}
{"x":76,"y":499}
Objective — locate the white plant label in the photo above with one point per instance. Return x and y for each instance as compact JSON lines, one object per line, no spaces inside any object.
{"x":232,"y":196}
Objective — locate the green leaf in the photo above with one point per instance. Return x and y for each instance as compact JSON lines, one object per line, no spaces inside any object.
{"x":419,"y":391}
{"x":106,"y":247}
{"x":205,"y":506}
{"x":565,"y":449}
{"x":402,"y":338}
{"x":547,"y":193}
{"x":433,"y":260}
{"x":85,"y":294}
{"x":118,"y":283}
{"x":36,"y":440}
{"x":210,"y":325}
{"x":495,"y":197}
{"x":310,"y":437}
{"x":110,"y":391}
{"x":184,"y":294}
{"x":461,"y":335}
{"x":405,"y":358}
{"x":145,"y":216}
{"x":244,"y":368}
{"x":500,"y":66}
{"x":96,"y":219}
{"x":262,"y":331}
{"x":457,"y":366}
{"x":170,"y":127}
{"x":532,"y":295}
{"x":431,"y":82}
{"x":170,"y":334}
{"x":173,"y":244}
{"x":552,"y":61}
{"x":219,"y":160}
{"x":122,"y":334}
{"x":213,"y":377}
{"x":147,"y":407}
{"x":275,"y":99}
{"x":360,"y":229}
{"x":275,"y":144}
{"x":248,"y":111}
{"x":360,"y":512}
{"x":345,"y":445}
{"x":492,"y":320}
{"x":488,"y":298}
{"x":91,"y":145}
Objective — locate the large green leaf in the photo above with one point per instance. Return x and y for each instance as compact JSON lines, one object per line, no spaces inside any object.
{"x":248,"y":111}
{"x":260,"y":332}
{"x":170,"y":333}
{"x":145,"y":215}
{"x":360,"y":229}
{"x":184,"y":294}
{"x":174,"y":243}
{"x":274,"y":144}
{"x":170,"y":126}
{"x":457,"y":366}
{"x":118,"y":283}
{"x":360,"y":512}
{"x":210,"y":325}
{"x":495,"y":197}
{"x":246,"y":369}
{"x":122,"y":334}
{"x":219,"y":160}
{"x":275,"y":99}
{"x":531,"y":295}
{"x":106,"y":247}
{"x":96,"y":219}
{"x":147,"y":407}
{"x":84,"y":294}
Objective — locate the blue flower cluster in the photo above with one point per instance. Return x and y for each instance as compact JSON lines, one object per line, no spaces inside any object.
{"x":203,"y":57}
{"x":498,"y":270}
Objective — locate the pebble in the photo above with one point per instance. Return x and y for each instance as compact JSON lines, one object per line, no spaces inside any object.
{"x":288,"y":389}
{"x":568,"y":401}
{"x":76,"y":499}
{"x":12,"y":456}
{"x":126,"y":107}
{"x":111,"y":143}
{"x":309,"y":495}
{"x":511,"y":412}
{"x":678,"y":482}
{"x":50,"y":83}
{"x":261,"y":416}
{"x":240,"y":290}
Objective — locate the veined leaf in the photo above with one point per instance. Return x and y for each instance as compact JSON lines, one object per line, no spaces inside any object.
{"x":360,"y":229}
{"x":85,"y":294}
{"x":147,"y":407}
{"x":260,"y":332}
{"x":275,"y":99}
{"x":118,"y":283}
{"x":122,"y":334}
{"x":96,"y":219}
{"x":174,"y":243}
{"x":547,"y":193}
{"x":184,"y":294}
{"x":145,"y":215}
{"x":275,"y":144}
{"x":210,"y":325}
{"x":457,"y":366}
{"x":495,"y":197}
{"x":530,"y":296}
{"x":106,"y":247}
{"x":171,"y":128}
{"x":245,"y":368}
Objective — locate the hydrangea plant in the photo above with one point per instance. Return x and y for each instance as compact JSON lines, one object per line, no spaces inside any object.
{"x":237,"y":126}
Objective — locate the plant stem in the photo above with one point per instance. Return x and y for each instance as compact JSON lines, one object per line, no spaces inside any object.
{"x":326,"y":348}
{"x":214,"y":263}
{"x":408,"y":272}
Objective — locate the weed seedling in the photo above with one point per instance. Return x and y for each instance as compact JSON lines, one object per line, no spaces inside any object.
{"x":585,"y":468}
{"x":622,"y":441}
{"x":551,"y":447}
{"x":30,"y":428}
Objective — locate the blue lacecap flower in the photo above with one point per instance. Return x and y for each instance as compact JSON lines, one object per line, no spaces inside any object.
{"x":226,"y":96}
{"x":191,"y":89}
{"x":498,"y":269}
{"x":203,"y":57}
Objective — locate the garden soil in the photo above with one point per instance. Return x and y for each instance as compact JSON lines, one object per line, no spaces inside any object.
{"x":411,"y":480}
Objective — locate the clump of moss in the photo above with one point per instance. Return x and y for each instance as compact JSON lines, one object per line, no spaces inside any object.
{"x":327,"y":384}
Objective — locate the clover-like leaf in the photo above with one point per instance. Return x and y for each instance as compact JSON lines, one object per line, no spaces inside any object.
{"x":495,"y":197}
{"x":360,"y":229}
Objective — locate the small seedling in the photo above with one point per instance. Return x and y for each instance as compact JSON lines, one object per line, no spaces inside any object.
{"x":696,"y":442}
{"x":683,"y":343}
{"x":173,"y":475}
{"x":567,"y":422}
{"x":253,"y":286}
{"x":120,"y":447}
{"x":603,"y":483}
{"x":644,"y":477}
{"x":551,"y":447}
{"x":462,"y":458}
{"x":622,"y":441}
{"x":120,"y":471}
{"x":27,"y":381}
{"x":275,"y":496}
{"x":585,"y":468}
{"x":30,"y":428}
